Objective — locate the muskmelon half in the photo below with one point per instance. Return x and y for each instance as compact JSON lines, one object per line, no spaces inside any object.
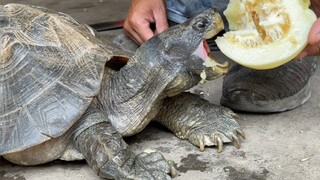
{"x":266,"y":33}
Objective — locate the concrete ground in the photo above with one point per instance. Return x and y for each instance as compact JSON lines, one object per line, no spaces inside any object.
{"x":282,"y":146}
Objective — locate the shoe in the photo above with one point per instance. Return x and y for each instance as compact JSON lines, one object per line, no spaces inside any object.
{"x":267,"y":91}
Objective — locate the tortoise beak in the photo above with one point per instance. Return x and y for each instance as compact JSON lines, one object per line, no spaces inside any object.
{"x":217,"y":26}
{"x":213,"y":69}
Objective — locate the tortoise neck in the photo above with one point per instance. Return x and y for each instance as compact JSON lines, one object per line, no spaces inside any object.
{"x":132,"y":96}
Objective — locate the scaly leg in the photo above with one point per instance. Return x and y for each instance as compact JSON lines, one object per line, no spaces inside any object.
{"x":107,"y":153}
{"x":202,"y":123}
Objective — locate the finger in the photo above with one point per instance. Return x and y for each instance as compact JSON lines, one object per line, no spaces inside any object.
{"x":313,"y":50}
{"x":310,"y":50}
{"x":144,"y":31}
{"x":145,"y":35}
{"x":301,"y":55}
{"x":137,"y":38}
{"x":314,"y":34}
{"x":138,"y":28}
{"x":313,"y":47}
{"x":161,"y":21}
{"x":132,"y":34}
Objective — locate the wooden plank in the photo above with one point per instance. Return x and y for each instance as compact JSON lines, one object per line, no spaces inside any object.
{"x":84,"y":11}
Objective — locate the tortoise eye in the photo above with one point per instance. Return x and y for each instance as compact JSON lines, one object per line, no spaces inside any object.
{"x":200,"y":24}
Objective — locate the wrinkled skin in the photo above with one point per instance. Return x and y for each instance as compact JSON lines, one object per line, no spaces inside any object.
{"x":122,"y":101}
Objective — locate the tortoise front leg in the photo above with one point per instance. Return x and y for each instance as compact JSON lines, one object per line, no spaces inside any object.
{"x":107,"y":153}
{"x":202,"y":123}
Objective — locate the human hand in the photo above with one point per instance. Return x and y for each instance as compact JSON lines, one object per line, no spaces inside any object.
{"x":143,"y":13}
{"x":313,"y":47}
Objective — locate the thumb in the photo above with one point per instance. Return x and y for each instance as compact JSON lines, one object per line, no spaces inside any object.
{"x":314,"y":34}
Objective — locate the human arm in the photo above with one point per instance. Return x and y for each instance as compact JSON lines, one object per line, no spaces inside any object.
{"x":143,"y":13}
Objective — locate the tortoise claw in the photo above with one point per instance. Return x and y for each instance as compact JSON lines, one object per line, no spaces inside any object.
{"x":242,"y":134}
{"x":219,"y":143}
{"x":236,"y":141}
{"x":234,"y":115}
{"x":201,"y":144}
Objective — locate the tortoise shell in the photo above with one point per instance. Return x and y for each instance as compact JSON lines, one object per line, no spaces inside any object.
{"x":51,"y":68}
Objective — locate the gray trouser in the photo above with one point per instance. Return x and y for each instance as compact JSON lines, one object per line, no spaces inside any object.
{"x":180,"y":10}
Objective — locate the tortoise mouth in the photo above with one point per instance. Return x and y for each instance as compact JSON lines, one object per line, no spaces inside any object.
{"x":212,"y":68}
{"x":202,"y":50}
{"x":204,"y":53}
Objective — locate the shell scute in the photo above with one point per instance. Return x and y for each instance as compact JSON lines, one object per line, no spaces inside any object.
{"x":51,"y":68}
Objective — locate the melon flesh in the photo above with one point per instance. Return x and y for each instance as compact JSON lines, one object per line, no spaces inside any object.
{"x":265,"y":34}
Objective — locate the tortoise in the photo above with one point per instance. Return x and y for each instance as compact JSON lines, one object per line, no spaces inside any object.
{"x":68,"y":94}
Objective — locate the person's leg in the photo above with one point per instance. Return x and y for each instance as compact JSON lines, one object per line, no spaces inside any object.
{"x":179,"y":11}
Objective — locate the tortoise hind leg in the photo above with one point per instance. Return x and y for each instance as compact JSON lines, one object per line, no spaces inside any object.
{"x":107,"y":153}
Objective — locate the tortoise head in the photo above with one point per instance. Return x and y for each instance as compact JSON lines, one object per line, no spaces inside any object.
{"x":183,"y":48}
